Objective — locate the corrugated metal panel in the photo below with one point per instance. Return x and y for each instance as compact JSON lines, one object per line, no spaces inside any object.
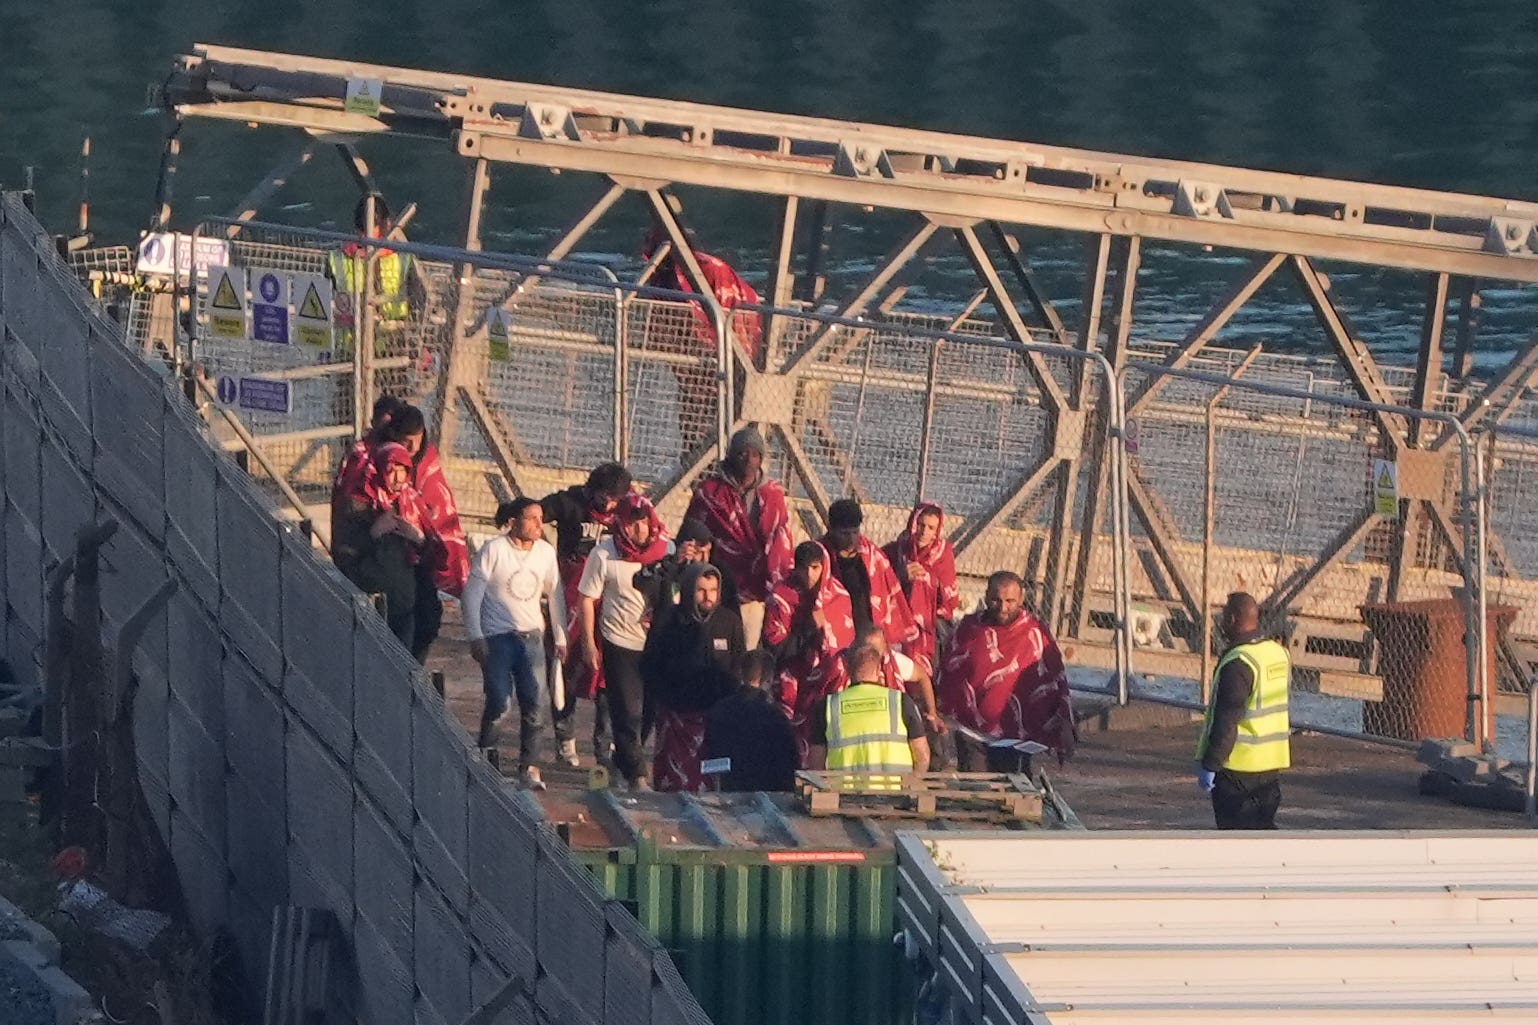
{"x":1159,"y":928}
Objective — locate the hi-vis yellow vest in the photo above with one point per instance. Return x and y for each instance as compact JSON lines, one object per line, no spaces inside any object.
{"x":390,"y":283}
{"x":1263,"y":731}
{"x":866,"y":734}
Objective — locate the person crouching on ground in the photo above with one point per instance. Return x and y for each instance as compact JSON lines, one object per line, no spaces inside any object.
{"x":691,"y":661}
{"x":609,"y":576}
{"x":513,"y":572}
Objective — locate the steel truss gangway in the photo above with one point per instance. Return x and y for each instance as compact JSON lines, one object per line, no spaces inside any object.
{"x":972,"y":189}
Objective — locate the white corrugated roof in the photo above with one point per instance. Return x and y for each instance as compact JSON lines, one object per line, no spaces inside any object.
{"x":1239,"y":928}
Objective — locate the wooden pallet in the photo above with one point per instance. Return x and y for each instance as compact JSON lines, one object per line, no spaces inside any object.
{"x":968,"y":796}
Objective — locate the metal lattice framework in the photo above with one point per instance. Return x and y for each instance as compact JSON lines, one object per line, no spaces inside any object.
{"x":972,"y":190}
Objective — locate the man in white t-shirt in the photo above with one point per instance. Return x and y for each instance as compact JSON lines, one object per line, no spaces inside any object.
{"x":506,"y":623}
{"x":620,"y":624}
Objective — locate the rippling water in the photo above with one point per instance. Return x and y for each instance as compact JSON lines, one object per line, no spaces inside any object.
{"x":1440,"y":95}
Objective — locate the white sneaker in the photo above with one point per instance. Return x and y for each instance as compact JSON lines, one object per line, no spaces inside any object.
{"x":532,"y":780}
{"x":569,"y":753}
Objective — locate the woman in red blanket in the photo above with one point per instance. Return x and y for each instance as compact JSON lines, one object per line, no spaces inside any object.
{"x":925,"y":566}
{"x":808,"y":624}
{"x":386,"y":526}
{"x":445,"y":563}
{"x":356,"y":472}
{"x":1004,"y":679}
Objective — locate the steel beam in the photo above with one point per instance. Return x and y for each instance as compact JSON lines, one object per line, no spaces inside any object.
{"x":1469,"y":302}
{"x":873,"y":165}
{"x":1027,"y":486}
{"x":269,"y":186}
{"x":1026,"y":278}
{"x":802,"y":464}
{"x":1162,"y":535}
{"x":1358,"y":362}
{"x":1428,"y":368}
{"x":585,"y":223}
{"x":782,"y":277}
{"x":1494,"y":403}
{"x":1291,"y":590}
{"x":814,"y":274}
{"x":1207,"y":328}
{"x":862,"y":299}
{"x":1051,"y":392}
{"x":456,"y":376}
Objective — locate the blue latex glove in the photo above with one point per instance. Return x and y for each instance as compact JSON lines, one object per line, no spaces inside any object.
{"x":1206,"y":780}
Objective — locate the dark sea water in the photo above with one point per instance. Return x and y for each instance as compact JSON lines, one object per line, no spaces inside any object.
{"x":1440,"y":95}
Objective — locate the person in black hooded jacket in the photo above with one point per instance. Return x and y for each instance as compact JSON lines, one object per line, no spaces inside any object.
{"x":693,"y":654}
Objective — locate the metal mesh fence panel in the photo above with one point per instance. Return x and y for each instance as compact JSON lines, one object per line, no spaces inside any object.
{"x":1313,"y":502}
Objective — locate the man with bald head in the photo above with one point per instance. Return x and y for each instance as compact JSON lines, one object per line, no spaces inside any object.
{"x":1244,"y":741}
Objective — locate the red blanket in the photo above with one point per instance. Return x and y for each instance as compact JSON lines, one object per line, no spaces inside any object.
{"x":935,"y":597}
{"x":730,"y":291}
{"x":448,"y":556}
{"x":676,"y":764}
{"x":888,"y":608}
{"x":1009,"y":681}
{"x":811,"y":675}
{"x":756,"y":549}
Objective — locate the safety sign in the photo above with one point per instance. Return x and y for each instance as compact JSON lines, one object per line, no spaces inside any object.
{"x":167,"y":253}
{"x":497,"y":323}
{"x":259,"y":394}
{"x":363,"y":96}
{"x":269,"y":306}
{"x":1385,"y":487}
{"x":227,"y":302}
{"x":312,"y":316}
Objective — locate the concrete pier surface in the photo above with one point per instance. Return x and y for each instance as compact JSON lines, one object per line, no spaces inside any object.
{"x":1128,"y":777}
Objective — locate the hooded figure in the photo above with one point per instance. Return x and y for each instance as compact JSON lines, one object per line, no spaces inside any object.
{"x":809,"y":621}
{"x":925,"y":565}
{"x":388,"y":529}
{"x":749,"y":522}
{"x":692,"y":659}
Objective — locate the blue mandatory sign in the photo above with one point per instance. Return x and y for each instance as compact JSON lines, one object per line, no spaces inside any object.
{"x":228,"y":391}
{"x":153,"y":250}
{"x":269,"y":318}
{"x":269,"y":287}
{"x":265,"y":396}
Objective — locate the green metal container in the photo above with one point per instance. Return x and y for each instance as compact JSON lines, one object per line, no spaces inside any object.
{"x":773,"y":916}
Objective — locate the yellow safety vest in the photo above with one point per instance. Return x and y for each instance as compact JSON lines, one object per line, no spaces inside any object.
{"x":866,"y":734}
{"x":1262,"y":744}
{"x":390,"y":293}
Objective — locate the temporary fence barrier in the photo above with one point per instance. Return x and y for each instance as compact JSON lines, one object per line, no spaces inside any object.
{"x":1351,"y":522}
{"x":291,"y":751}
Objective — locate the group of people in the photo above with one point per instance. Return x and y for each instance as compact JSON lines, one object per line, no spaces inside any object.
{"x":683,"y":639}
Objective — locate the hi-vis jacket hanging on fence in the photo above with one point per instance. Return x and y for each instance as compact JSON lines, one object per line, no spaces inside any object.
{"x":348,"y":266}
{"x":866,"y":733}
{"x":1262,"y":743}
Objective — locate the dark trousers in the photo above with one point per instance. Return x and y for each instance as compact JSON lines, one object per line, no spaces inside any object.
{"x":1243,"y":800}
{"x":428,"y":618}
{"x":625,"y":694}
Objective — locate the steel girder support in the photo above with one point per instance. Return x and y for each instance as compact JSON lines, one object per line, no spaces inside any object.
{"x":1131,"y":258}
{"x":782,"y":278}
{"x":585,"y":223}
{"x":1360,"y":366}
{"x":456,"y":376}
{"x":269,"y":186}
{"x":1024,"y":489}
{"x":1045,"y":311}
{"x":1499,"y":396}
{"x":982,"y":266}
{"x":1208,"y":327}
{"x":1290,"y":591}
{"x":1469,"y":302}
{"x":862,"y":300}
{"x":1160,"y":528}
{"x":499,"y":436}
{"x":1428,"y":375}
{"x":165,"y":180}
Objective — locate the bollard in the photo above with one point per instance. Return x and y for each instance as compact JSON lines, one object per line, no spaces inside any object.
{"x":438,"y":684}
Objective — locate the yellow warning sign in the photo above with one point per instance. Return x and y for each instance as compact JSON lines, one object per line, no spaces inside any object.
{"x":227,"y":302}
{"x":496,"y":335}
{"x":1385,"y":487}
{"x":312,"y":319}
{"x":363,"y":96}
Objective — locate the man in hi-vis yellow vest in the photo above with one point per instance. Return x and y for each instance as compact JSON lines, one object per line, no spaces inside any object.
{"x":1244,"y":741}
{"x":869,"y":728}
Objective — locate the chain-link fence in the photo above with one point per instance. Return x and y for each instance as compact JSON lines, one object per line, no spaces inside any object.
{"x":1509,"y":449}
{"x":1356,"y":525}
{"x":291,"y":751}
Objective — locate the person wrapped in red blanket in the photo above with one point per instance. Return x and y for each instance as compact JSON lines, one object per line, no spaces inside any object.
{"x":874,"y":593}
{"x":354,"y":474}
{"x":386,"y":526}
{"x":1004,"y":679}
{"x":749,"y":524}
{"x":925,"y":566}
{"x":807,"y":625}
{"x":445,"y":562}
{"x":697,"y":382}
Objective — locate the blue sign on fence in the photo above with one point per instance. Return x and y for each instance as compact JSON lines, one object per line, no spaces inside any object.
{"x":269,"y":308}
{"x":228,"y":391}
{"x":266,"y":396}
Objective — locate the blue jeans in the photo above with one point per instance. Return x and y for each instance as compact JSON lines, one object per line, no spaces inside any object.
{"x":515,"y":663}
